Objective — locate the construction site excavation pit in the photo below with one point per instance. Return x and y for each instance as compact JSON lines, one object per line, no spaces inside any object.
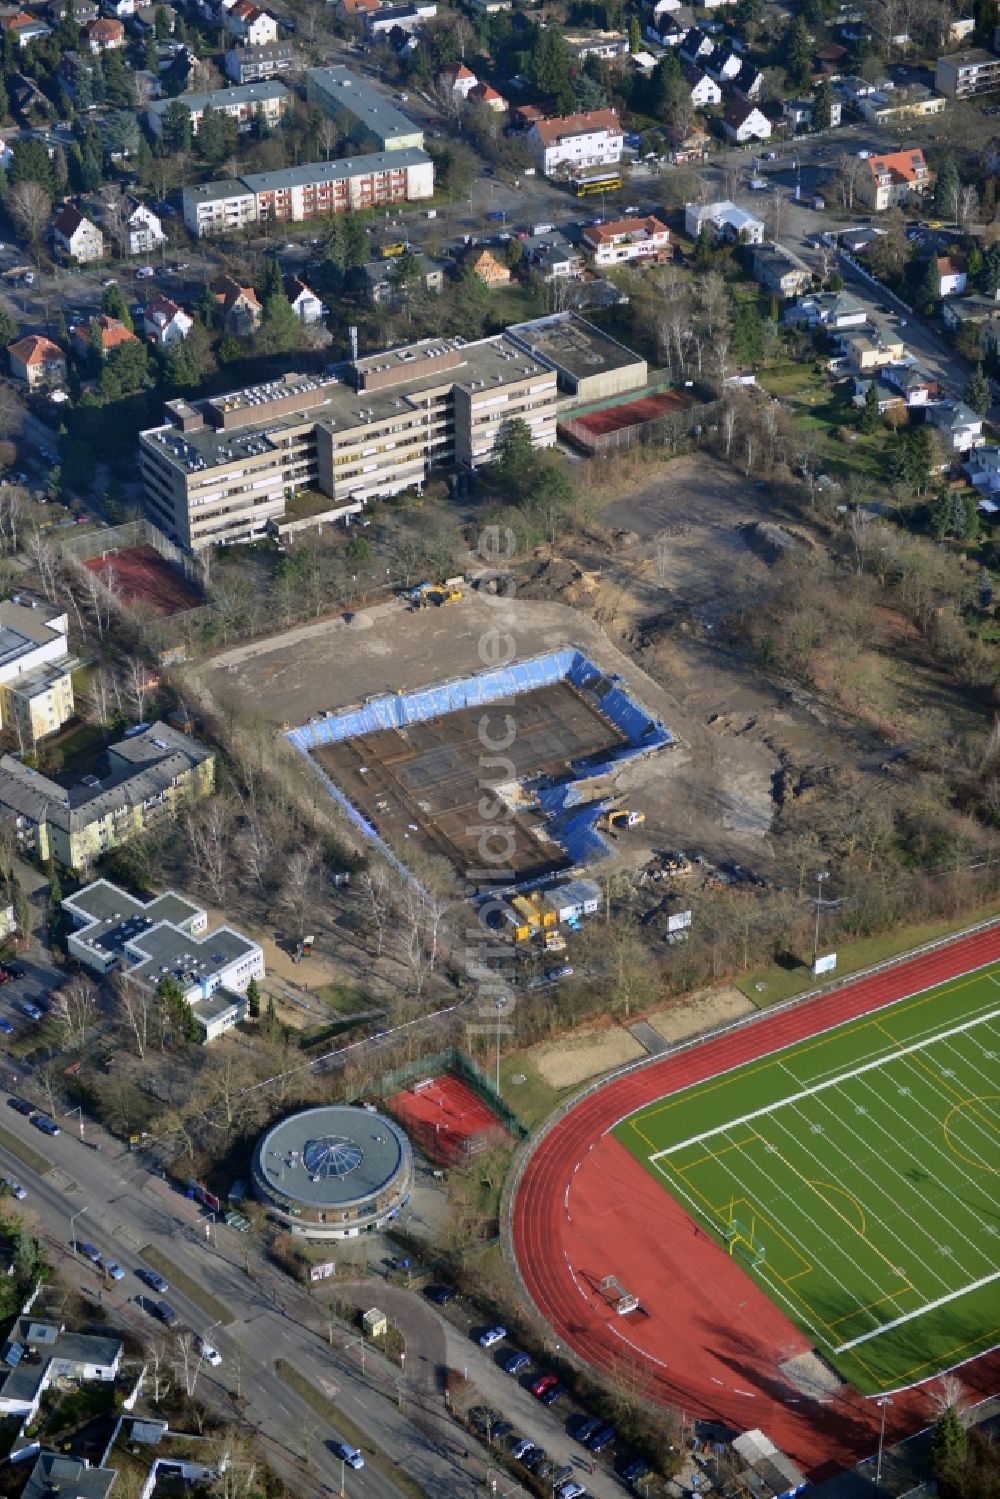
{"x":508,"y":769}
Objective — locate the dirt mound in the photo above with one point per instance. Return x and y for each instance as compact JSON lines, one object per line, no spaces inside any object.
{"x":554,"y":578}
{"x":771,"y":541}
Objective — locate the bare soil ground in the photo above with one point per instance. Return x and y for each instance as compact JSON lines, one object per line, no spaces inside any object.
{"x":700,"y":1011}
{"x":704,"y":792}
{"x":585,"y":1053}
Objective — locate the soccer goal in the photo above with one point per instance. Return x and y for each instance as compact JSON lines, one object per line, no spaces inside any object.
{"x":622,"y":1300}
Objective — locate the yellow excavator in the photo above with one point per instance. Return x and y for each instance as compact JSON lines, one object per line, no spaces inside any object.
{"x":622,"y":817}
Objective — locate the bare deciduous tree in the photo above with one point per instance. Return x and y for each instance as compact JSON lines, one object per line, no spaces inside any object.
{"x":74,"y":1007}
{"x":207,"y":830}
{"x":30,"y":206}
{"x":136,"y":1006}
{"x":299,"y":890}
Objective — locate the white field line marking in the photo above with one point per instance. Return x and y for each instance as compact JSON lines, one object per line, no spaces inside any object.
{"x":833,"y":1082}
{"x":921,"y":1311}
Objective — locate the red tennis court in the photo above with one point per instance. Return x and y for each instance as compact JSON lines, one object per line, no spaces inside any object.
{"x":634,"y":413}
{"x":141,"y":576}
{"x":445,"y":1118}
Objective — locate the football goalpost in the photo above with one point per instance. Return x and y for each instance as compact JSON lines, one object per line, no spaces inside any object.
{"x":740,"y":1236}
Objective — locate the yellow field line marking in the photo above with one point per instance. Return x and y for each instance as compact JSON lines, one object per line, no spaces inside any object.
{"x":868,"y":1307}
{"x":685,"y":1096}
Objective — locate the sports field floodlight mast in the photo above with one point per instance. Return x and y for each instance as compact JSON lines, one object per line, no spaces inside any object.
{"x":823,"y":874}
{"x":882,"y":1401}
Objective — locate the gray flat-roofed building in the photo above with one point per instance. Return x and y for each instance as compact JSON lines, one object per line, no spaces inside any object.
{"x":54,"y":1473}
{"x":590,"y":365}
{"x":363,"y":112}
{"x":166,"y":937}
{"x":333,"y":1173}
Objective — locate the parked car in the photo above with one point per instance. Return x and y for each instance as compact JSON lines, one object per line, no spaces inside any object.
{"x":602,"y":1438}
{"x":6,"y":1026}
{"x":90,"y":1252}
{"x":210,"y":1354}
{"x":492,"y":1336}
{"x":42,"y":1122}
{"x":13,"y":971}
{"x":572,"y":1490}
{"x":144,"y":272}
{"x":636,"y":1469}
{"x":166,"y":1313}
{"x":155,"y":1282}
{"x":348,"y":1454}
{"x":482,"y":1418}
{"x":21,"y":1105}
{"x":114,"y":1269}
{"x":543,"y":1382}
{"x":14,"y":1188}
{"x":32,"y":1011}
{"x":520,"y":1449}
{"x":440,"y":1295}
{"x":585,"y":1426}
{"x":515,"y":1362}
{"x":552,"y":1394}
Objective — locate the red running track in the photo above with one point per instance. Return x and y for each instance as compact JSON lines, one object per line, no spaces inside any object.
{"x":710,"y":1342}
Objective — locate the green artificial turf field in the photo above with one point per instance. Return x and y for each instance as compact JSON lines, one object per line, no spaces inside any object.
{"x":856,"y":1177}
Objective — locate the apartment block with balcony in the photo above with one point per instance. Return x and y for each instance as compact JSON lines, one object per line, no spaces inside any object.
{"x":963,"y":75}
{"x":223,"y":470}
{"x":36,"y":683}
{"x":148,"y":777}
{"x":267,"y":101}
{"x":313,"y":190}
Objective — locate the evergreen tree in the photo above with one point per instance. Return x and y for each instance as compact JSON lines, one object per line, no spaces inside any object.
{"x":634,"y":36}
{"x":176,"y":127}
{"x":549,"y":64}
{"x":4,"y":102}
{"x":151,"y":58}
{"x":911,"y":462}
{"x":823,"y":106}
{"x":946,"y":189}
{"x":8,"y":327}
{"x":977,"y":392}
{"x":929,"y":289}
{"x":30,"y":163}
{"x":114,"y":304}
{"x":797,"y":53}
{"x":161,"y":23}
{"x":95,"y":345}
{"x":870,"y":413}
{"x":989,"y":276}
{"x":948,"y":1444}
{"x":703,"y":249}
{"x":119,"y":83}
{"x":514,"y":458}
{"x":253,"y":1000}
{"x":748,"y":16}
{"x":269,"y":283}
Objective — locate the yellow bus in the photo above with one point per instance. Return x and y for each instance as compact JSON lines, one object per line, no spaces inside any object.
{"x":388,"y":251}
{"x":593,"y":185}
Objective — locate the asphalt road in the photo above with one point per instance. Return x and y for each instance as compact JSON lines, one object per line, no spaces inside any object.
{"x":120,"y":1208}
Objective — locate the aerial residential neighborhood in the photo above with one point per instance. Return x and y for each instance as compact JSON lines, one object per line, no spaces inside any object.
{"x":499,"y":628}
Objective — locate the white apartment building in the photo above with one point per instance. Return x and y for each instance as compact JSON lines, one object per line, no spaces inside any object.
{"x":725,"y":221}
{"x":244,"y":104}
{"x":166,"y":937}
{"x":626,"y":240}
{"x":569,"y":143}
{"x":36,"y":683}
{"x":143,"y":228}
{"x":226,"y":468}
{"x":312,"y":190}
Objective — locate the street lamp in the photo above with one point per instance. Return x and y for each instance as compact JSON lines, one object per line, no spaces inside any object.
{"x":341,"y":1478}
{"x":882,"y":1401}
{"x":499,"y":1009}
{"x":824,"y":874}
{"x":72,"y":1224}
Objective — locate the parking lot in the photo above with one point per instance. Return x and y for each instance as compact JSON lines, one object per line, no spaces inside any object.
{"x":509,"y":1417}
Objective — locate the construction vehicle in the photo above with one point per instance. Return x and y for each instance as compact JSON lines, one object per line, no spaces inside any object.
{"x":554,"y":941}
{"x":434,"y":593}
{"x":623,"y":817}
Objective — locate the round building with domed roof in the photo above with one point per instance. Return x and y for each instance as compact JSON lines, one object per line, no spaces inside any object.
{"x":333,"y":1172}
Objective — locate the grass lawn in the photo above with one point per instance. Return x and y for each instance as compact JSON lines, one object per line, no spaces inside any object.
{"x":534,"y":1099}
{"x":854,"y":1176}
{"x":40,"y":1164}
{"x":769,"y":986}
